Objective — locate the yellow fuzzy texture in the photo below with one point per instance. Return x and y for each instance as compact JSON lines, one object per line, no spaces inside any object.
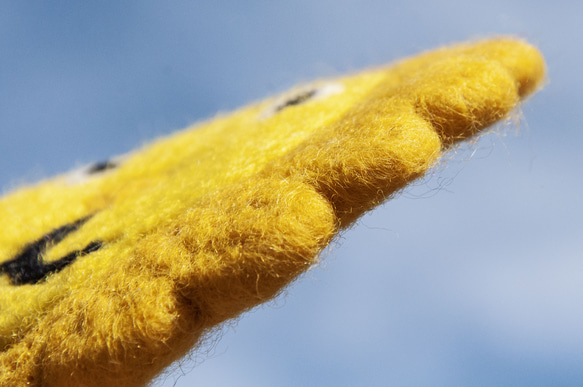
{"x":212,"y":221}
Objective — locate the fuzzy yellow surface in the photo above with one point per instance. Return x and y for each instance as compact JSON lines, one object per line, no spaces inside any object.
{"x":199,"y":227}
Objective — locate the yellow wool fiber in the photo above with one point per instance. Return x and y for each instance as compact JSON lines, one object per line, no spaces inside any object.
{"x":199,"y":227}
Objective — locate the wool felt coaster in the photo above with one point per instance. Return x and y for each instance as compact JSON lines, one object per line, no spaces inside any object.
{"x":110,"y":273}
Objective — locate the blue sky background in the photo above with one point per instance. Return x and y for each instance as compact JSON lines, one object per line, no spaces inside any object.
{"x":474,"y":276}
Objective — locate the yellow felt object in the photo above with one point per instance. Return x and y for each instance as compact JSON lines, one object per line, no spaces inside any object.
{"x":197,"y":228}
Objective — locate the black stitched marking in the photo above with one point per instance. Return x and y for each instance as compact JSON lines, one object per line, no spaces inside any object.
{"x":300,"y":98}
{"x":101,"y":166}
{"x":28,"y":267}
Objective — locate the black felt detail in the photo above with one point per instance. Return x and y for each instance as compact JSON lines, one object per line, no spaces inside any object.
{"x":298,"y":99}
{"x":28,"y":267}
{"x":101,"y":166}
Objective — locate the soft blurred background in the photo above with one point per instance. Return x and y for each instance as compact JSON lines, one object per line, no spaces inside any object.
{"x":474,"y":276}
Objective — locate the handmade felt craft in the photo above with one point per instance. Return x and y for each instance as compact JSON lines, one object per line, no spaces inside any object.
{"x":110,"y":273}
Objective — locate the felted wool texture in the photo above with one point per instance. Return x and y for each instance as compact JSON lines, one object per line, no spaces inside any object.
{"x":204,"y":225}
